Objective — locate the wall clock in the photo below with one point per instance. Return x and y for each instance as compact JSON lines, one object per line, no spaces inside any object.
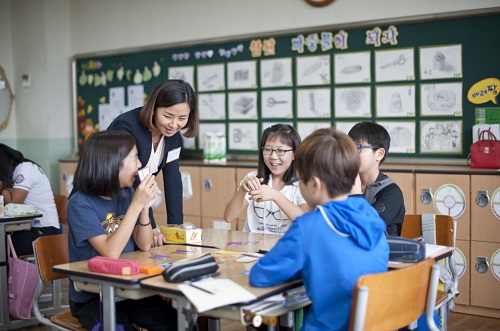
{"x":319,"y":3}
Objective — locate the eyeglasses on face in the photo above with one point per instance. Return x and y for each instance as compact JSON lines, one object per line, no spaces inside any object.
{"x":361,"y":146}
{"x":279,"y":152}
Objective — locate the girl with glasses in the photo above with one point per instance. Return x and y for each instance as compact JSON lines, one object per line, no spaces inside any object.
{"x":271,"y":195}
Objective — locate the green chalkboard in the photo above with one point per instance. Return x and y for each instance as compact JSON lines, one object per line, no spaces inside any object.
{"x":413,"y":78}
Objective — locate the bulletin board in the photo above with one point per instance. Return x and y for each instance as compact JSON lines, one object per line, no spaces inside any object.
{"x":413,"y":78}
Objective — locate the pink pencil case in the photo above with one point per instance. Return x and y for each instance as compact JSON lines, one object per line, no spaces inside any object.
{"x":107,"y":265}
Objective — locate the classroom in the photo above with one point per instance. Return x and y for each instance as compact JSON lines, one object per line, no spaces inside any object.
{"x":49,"y":50}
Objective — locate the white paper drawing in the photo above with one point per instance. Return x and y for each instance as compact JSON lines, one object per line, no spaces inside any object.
{"x":212,"y":106}
{"x":117,"y":97}
{"x":313,"y":103}
{"x":242,"y":75}
{"x":242,"y":105}
{"x":135,"y":96}
{"x":276,"y":72}
{"x":313,"y":70}
{"x":277,"y":104}
{"x":395,"y":65}
{"x":243,"y":136}
{"x":402,"y":136}
{"x":352,"y":68}
{"x":441,"y":99}
{"x":184,"y":73}
{"x":211,"y":127}
{"x":352,"y":102}
{"x":441,"y":62}
{"x":395,"y":101}
{"x":343,"y":126}
{"x":441,"y":137}
{"x":267,"y":124}
{"x":306,"y":128}
{"x":211,"y":77}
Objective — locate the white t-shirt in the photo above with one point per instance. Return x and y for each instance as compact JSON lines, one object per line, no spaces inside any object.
{"x":30,"y":177}
{"x":266,"y":216}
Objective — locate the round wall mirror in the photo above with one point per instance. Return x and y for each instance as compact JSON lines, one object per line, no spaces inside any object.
{"x":6,"y":99}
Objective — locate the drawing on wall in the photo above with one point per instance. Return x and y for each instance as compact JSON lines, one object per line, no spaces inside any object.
{"x":184,"y":73}
{"x":402,"y":135}
{"x":441,"y":62}
{"x":211,"y":77}
{"x":188,"y":143}
{"x":242,"y":105}
{"x":313,"y":70}
{"x":266,"y":124}
{"x":276,"y":72}
{"x":343,"y":126}
{"x":441,"y":99}
{"x":243,"y":136}
{"x":313,"y":103}
{"x":395,"y":101}
{"x":277,"y":104}
{"x":441,"y":137}
{"x":352,"y":102}
{"x":306,"y":128}
{"x":242,"y":75}
{"x":211,"y":127}
{"x":395,"y":65}
{"x":212,"y":106}
{"x":352,"y":68}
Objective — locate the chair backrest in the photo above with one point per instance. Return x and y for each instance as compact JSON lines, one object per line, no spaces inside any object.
{"x":61,"y":205}
{"x":396,"y":298}
{"x":50,"y":251}
{"x":445,"y":228}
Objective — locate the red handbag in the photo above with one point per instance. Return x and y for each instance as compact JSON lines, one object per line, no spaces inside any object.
{"x":485,"y":152}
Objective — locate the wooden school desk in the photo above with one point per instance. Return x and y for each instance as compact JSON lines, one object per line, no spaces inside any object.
{"x":10,"y":224}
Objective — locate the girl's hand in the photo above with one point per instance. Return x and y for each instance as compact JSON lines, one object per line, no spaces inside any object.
{"x":251,"y":183}
{"x":145,"y":193}
{"x":264,"y":193}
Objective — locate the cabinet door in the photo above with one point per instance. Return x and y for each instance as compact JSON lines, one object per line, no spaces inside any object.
{"x":217,"y":223}
{"x":485,"y":286}
{"x":485,"y":225}
{"x":405,"y":183}
{"x":463,"y":267}
{"x":445,"y":194}
{"x":191,"y":203}
{"x":217,"y":187}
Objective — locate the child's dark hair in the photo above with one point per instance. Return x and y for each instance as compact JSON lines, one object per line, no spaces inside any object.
{"x":9,"y":160}
{"x":288,"y":136}
{"x":373,"y":134}
{"x":101,"y":159}
{"x":331,"y":156}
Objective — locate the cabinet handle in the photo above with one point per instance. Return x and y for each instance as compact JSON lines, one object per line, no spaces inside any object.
{"x":482,"y":264}
{"x":207,"y":184}
{"x":426,"y":196}
{"x":482,"y":198}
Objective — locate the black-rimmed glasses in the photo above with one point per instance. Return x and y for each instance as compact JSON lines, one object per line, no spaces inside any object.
{"x":279,"y":152}
{"x":361,"y":146}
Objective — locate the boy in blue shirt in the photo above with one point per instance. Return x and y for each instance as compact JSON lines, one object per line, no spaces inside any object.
{"x":333,"y":245}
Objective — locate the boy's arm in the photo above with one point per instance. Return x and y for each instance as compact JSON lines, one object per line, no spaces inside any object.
{"x":284,"y":262}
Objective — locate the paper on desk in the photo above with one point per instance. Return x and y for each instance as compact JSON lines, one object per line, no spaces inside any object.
{"x":225,"y":292}
{"x":433,"y":250}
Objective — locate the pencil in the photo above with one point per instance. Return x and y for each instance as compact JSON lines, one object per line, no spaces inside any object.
{"x":200,"y":288}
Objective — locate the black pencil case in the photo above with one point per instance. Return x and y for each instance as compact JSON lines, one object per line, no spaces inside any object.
{"x":405,"y":250}
{"x":185,"y":270}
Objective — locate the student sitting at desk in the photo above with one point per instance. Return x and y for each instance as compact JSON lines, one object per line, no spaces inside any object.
{"x":271,"y":195}
{"x":106,"y":216}
{"x":332,"y":246}
{"x":22,"y":181}
{"x":373,"y":142}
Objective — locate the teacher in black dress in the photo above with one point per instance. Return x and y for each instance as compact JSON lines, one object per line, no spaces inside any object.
{"x":156,"y":127}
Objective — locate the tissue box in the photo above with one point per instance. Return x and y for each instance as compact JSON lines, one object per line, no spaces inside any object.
{"x":181,"y":233}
